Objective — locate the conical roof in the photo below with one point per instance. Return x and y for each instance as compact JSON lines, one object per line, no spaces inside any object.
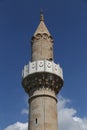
{"x":41,"y":27}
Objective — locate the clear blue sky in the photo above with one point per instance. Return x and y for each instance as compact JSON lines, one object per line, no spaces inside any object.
{"x":67,"y":22}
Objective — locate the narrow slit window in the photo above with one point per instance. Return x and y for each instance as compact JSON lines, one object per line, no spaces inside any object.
{"x":36,"y":120}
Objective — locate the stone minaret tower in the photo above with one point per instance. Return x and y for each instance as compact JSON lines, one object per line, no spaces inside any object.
{"x":42,"y":79}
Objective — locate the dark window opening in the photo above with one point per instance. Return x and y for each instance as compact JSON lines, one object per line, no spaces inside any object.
{"x":36,"y":120}
{"x":50,"y":59}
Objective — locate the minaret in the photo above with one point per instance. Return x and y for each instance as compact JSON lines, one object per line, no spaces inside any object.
{"x":42,"y":79}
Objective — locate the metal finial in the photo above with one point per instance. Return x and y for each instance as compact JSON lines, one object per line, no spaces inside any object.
{"x":41,"y":15}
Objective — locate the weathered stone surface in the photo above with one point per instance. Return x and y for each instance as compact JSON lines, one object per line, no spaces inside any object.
{"x":42,"y":48}
{"x":43,"y":111}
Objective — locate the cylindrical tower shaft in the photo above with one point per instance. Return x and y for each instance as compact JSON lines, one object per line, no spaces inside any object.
{"x":42,"y":49}
{"x":43,"y":111}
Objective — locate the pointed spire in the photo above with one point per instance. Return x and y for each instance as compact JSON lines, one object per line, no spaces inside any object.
{"x":42,"y":27}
